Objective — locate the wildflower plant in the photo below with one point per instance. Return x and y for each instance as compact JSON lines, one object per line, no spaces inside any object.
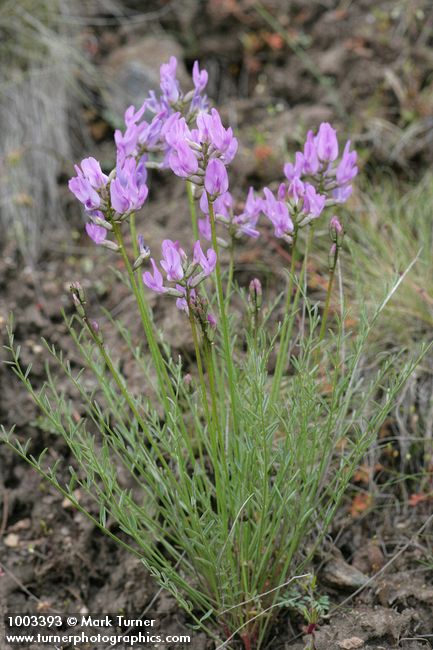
{"x":235,"y":474}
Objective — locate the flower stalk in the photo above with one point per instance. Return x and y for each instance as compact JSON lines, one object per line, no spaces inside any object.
{"x":163,"y":378}
{"x":224,"y":323}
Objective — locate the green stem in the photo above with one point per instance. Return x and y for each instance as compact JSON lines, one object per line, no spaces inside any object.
{"x":199,"y":365}
{"x":231,"y":272}
{"x":114,"y":374}
{"x":166,"y":387}
{"x":328,"y":297}
{"x":212,"y":421}
{"x":218,"y":450}
{"x":289,"y":319}
{"x":224,"y":322}
{"x":192,"y":209}
{"x":292,"y":273}
{"x":214,"y":397}
{"x":133,"y":235}
{"x":279,"y":368}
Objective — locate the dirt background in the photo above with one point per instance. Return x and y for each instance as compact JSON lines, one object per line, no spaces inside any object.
{"x":367,"y":66}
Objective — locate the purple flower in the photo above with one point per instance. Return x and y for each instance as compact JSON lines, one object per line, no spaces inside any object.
{"x":168,"y":82}
{"x":199,"y":77}
{"x":247,"y":220}
{"x":96,"y":233}
{"x":326,"y":143}
{"x":311,"y":160}
{"x":93,"y":172}
{"x":182,"y":160}
{"x":143,"y":250}
{"x":222,"y":205}
{"x":132,"y":116}
{"x":277,"y":212}
{"x":154,"y":281}
{"x":211,"y":130}
{"x":216,"y":180}
{"x":138,"y":136}
{"x":89,"y":178}
{"x":204,"y":228}
{"x":150,"y":134}
{"x":172,"y":260}
{"x":126,"y":143}
{"x":175,"y":130}
{"x":128,"y":190}
{"x":341,"y":194}
{"x":296,"y":190}
{"x":230,"y":152}
{"x":208,"y":261}
{"x":347,"y":169}
{"x":293,"y":171}
{"x":84,"y":192}
{"x":313,"y":202}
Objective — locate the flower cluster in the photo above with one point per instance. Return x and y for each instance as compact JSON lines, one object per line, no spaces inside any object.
{"x":124,"y":190}
{"x":319,"y":162}
{"x":194,"y":144}
{"x":88,"y":184}
{"x":185,"y":274}
{"x":316,"y":179}
{"x":115,"y":196}
{"x":201,"y":154}
{"x":142,"y":137}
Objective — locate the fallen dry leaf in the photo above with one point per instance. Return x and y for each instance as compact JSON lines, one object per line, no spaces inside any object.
{"x":415,"y":499}
{"x":365,"y":473}
{"x":263,"y":152}
{"x":360,"y":503}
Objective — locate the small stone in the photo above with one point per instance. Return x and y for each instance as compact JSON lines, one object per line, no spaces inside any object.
{"x":132,"y":70}
{"x":22,"y":524}
{"x":351,"y":644}
{"x":340,"y":574}
{"x":12,"y":540}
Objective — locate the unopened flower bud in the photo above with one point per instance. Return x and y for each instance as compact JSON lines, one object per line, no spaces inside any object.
{"x":144,"y":253}
{"x":94,"y":326}
{"x":78,"y":306}
{"x":78,"y":290}
{"x":336,"y":231}
{"x":103,"y":223}
{"x":78,"y":298}
{"x":189,"y":95}
{"x":255,"y":294}
{"x":111,"y":245}
{"x":211,"y":319}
